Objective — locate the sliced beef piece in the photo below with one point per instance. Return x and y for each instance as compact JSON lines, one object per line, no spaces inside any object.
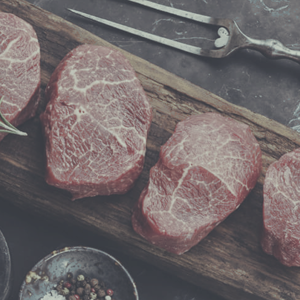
{"x":19,"y":69}
{"x":281,"y":209}
{"x":204,"y":172}
{"x":95,"y":124}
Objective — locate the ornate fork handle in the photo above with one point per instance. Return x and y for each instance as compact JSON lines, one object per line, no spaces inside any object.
{"x":231,"y":38}
{"x":273,"y":49}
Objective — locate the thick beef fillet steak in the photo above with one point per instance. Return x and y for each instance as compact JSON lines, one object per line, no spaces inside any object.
{"x":281,"y":209}
{"x":19,"y":69}
{"x":204,"y":172}
{"x":95,"y":124}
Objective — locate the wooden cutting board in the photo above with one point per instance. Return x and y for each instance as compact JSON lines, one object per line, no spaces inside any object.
{"x":229,"y":261}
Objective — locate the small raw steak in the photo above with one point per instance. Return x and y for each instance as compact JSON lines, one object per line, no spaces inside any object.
{"x":204,"y":172}
{"x":95,"y":124}
{"x":281,"y":209}
{"x":19,"y":70}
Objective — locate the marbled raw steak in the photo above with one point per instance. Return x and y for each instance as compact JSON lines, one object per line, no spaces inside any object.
{"x":204,"y":172}
{"x":95,"y":124}
{"x":19,"y":69}
{"x":281,"y":209}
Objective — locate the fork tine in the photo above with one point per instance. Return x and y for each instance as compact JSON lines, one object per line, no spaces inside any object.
{"x":143,"y":34}
{"x":177,"y":12}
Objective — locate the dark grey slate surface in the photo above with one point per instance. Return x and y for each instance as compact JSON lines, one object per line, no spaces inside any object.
{"x":246,"y":78}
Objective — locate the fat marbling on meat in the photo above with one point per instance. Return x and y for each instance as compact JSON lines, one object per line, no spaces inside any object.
{"x":19,"y":69}
{"x":95,"y":124}
{"x":204,"y":172}
{"x":281,"y":209}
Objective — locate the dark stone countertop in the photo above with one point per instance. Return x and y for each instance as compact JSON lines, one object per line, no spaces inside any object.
{"x":246,"y":78}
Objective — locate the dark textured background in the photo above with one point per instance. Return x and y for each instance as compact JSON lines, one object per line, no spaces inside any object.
{"x":246,"y":78}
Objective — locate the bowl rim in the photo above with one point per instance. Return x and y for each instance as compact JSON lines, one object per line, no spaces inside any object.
{"x":76,"y":249}
{"x":7,"y":282}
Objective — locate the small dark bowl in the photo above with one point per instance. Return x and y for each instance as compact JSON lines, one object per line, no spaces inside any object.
{"x":90,"y":262}
{"x":5,"y":268}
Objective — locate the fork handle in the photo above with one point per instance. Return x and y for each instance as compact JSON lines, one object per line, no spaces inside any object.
{"x":273,"y":49}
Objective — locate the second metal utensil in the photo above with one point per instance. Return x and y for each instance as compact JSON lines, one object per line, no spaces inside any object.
{"x":231,"y":38}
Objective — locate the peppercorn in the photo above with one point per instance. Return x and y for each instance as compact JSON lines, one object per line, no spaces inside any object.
{"x":73,"y":287}
{"x":80,"y":277}
{"x":65,"y":291}
{"x":101,"y":293}
{"x":87,"y":288}
{"x":77,"y":297}
{"x":96,"y":287}
{"x":81,"y":288}
{"x":94,"y":282}
{"x":79,"y":291}
{"x":59,"y":287}
{"x":67,"y":285}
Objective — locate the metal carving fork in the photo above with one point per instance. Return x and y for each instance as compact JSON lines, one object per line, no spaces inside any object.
{"x":231,"y":38}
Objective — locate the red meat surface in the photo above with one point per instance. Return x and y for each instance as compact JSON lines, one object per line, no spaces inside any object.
{"x":19,"y":69}
{"x":95,"y":124}
{"x":204,"y":172}
{"x":281,"y":209}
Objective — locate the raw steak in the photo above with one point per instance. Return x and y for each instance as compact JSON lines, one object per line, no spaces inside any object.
{"x":204,"y":172}
{"x":281,"y":209}
{"x":19,"y":69}
{"x":95,"y":124}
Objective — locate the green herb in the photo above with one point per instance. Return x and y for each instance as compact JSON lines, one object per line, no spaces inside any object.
{"x":6,"y":127}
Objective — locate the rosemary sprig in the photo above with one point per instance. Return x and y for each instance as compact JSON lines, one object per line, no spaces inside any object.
{"x":7,"y":127}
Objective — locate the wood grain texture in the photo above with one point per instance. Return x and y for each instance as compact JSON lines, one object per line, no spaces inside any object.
{"x":229,"y":261}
